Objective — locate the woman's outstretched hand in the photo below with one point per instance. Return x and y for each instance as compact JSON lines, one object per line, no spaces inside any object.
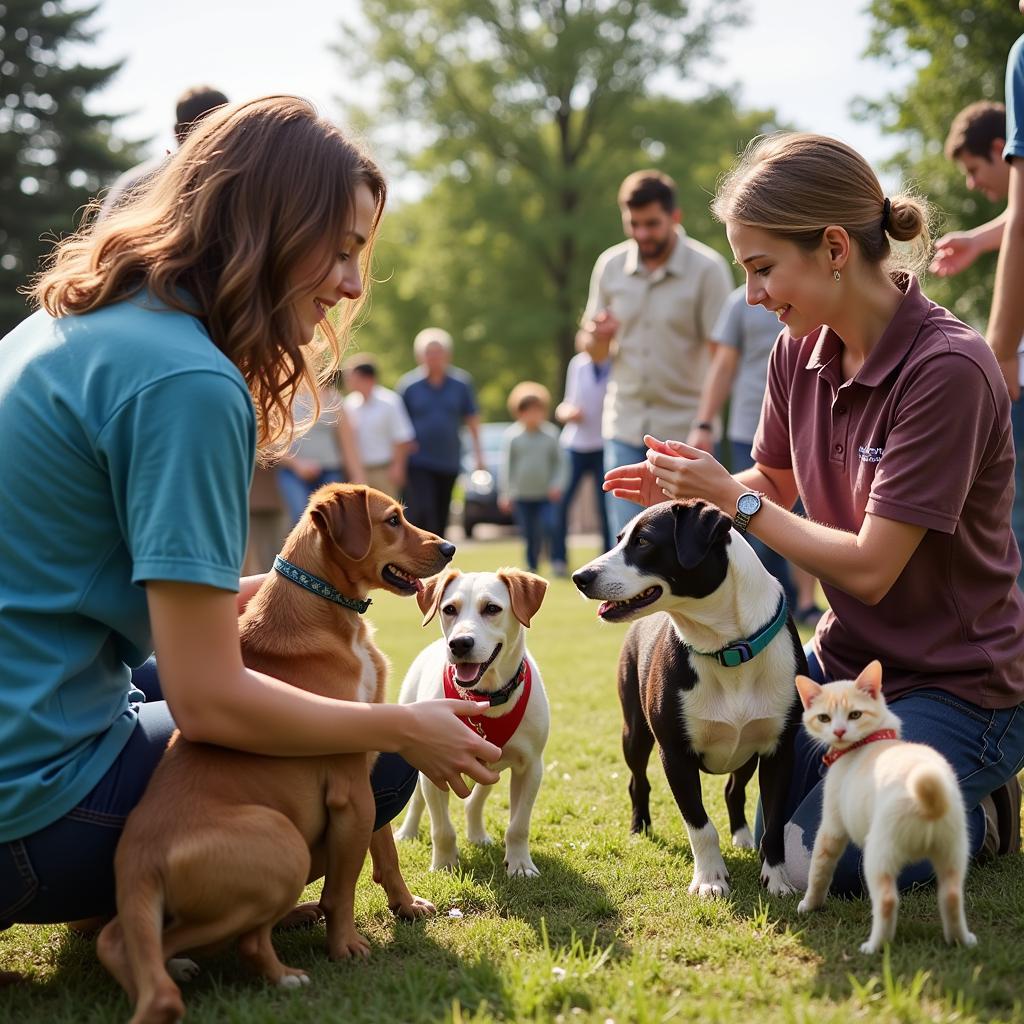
{"x":445,"y":750}
{"x":672,"y":471}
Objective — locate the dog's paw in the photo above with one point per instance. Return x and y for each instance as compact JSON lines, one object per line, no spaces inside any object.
{"x":966,"y":939}
{"x":296,"y":980}
{"x":870,"y":947}
{"x":742,"y":838}
{"x":805,"y":906}
{"x":413,"y":909}
{"x":407,"y":833}
{"x":775,"y":880}
{"x":303,"y":915}
{"x":444,"y":860}
{"x":480,"y":838}
{"x":181,"y":969}
{"x":349,"y":946}
{"x":521,"y":866}
{"x":710,"y":884}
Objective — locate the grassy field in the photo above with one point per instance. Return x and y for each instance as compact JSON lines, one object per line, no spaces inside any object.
{"x":608,"y":931}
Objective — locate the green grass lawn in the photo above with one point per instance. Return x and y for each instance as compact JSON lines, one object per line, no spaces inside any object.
{"x":608,"y":931}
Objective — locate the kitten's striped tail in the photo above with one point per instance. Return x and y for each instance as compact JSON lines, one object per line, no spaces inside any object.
{"x":928,"y":787}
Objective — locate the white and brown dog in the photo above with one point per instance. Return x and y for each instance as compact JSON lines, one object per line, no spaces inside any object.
{"x":483,"y":657}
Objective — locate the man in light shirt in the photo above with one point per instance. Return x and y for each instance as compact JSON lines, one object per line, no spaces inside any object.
{"x":384,"y":433}
{"x":653,"y":302}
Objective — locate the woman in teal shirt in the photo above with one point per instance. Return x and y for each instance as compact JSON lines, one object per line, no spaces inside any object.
{"x":170,"y":343}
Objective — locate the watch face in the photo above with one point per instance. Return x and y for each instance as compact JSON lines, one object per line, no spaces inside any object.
{"x":748,"y":504}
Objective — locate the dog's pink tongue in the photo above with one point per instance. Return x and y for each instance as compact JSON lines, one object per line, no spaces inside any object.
{"x":603,"y":607}
{"x":466,"y":672}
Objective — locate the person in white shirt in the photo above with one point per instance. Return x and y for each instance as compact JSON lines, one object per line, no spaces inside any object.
{"x":580,"y":411}
{"x":384,"y":432}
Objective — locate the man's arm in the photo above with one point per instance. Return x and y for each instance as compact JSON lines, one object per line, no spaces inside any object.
{"x":717,"y":385}
{"x":473,"y":423}
{"x":1006,"y":323}
{"x":959,"y":249}
{"x":598,"y":325}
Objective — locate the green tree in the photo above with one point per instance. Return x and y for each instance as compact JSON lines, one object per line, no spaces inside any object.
{"x":959,"y":55}
{"x":521,"y":119}
{"x":54,"y":155}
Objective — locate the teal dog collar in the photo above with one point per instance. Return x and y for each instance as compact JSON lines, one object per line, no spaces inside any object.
{"x":739,"y":652}
{"x":317,"y":586}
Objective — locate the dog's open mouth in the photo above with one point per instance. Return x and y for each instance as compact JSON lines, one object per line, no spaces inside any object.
{"x":401,"y":579}
{"x":612,"y":610}
{"x":469,"y":673}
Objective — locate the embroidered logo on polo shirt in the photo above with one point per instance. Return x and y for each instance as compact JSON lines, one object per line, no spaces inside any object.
{"x":870,"y":454}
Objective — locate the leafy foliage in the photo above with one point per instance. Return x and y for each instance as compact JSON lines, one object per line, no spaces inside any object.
{"x":959,"y":51}
{"x":521,"y":120}
{"x":54,"y":155}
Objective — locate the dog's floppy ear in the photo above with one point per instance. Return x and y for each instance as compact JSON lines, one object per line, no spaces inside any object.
{"x":343,"y":518}
{"x":526,"y":591}
{"x":698,"y":527}
{"x":429,"y":598}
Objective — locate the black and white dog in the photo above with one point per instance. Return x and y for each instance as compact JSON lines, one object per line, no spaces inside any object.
{"x":711,"y":677}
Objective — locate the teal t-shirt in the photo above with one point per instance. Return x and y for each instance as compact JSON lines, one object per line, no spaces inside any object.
{"x":128,"y":443}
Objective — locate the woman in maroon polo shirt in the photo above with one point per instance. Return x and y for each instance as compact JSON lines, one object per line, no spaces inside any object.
{"x":890,"y":419}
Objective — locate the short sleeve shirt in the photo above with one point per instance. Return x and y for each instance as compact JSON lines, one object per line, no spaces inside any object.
{"x":661,"y":355}
{"x":129,"y":442}
{"x":920,"y":435}
{"x":585,"y":385}
{"x":752,"y":331}
{"x":437,"y":413}
{"x":380,"y":423}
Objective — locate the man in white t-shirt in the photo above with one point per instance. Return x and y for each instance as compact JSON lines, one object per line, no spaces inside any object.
{"x":384,"y":433}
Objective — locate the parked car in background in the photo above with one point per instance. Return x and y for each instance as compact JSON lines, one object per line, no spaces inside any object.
{"x":480,"y":486}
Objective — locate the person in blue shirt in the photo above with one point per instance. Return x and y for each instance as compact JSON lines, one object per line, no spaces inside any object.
{"x":169,"y":344}
{"x":440,"y":401}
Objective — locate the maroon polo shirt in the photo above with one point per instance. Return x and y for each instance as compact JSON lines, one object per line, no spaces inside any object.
{"x":920,"y":435}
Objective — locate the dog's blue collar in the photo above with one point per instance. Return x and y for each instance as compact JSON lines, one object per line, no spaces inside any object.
{"x":739,"y":652}
{"x":317,"y":586}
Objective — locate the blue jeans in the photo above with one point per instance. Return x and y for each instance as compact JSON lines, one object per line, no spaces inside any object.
{"x":620,"y":511}
{"x":984,"y":746}
{"x":580,"y":465}
{"x":774,"y":562}
{"x":536,"y":521}
{"x":1017,"y":520}
{"x":65,"y":871}
{"x":295,"y":491}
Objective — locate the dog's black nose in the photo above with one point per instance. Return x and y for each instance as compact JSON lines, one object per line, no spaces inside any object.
{"x":460,"y":645}
{"x":447,"y":549}
{"x":583,"y":578}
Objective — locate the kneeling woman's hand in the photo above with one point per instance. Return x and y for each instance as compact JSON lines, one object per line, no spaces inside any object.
{"x":673,"y":471}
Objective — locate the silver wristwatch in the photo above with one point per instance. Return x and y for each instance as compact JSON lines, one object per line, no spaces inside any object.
{"x":748,"y":504}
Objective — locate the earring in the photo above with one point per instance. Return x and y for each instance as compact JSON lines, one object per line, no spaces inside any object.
{"x":835,"y":274}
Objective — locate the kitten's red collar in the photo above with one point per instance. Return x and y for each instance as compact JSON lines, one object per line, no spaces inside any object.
{"x":882,"y":734}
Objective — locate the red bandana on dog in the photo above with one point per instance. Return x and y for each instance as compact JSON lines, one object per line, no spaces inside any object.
{"x":498,"y":730}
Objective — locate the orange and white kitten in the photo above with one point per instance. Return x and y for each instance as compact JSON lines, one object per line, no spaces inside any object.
{"x":899,"y":802}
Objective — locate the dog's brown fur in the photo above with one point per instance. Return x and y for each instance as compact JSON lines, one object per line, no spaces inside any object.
{"x":223,"y":842}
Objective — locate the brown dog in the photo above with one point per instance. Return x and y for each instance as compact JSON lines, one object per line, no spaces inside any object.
{"x":223,"y":842}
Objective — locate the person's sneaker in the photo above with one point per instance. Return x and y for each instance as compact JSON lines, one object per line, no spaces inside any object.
{"x":1002,"y":820}
{"x":560,"y":570}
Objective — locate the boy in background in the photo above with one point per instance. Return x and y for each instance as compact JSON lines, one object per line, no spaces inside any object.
{"x":532,"y":472}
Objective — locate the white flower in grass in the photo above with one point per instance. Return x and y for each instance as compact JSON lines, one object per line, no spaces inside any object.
{"x":558,"y":973}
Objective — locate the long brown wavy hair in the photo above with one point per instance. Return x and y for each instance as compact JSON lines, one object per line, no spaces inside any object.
{"x":256,"y":188}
